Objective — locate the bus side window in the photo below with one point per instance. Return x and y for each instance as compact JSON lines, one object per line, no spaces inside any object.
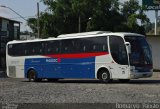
{"x":84,"y":48}
{"x":98,"y":44}
{"x":41,"y":48}
{"x":56,"y":47}
{"x":25,"y":52}
{"x":64,"y":46}
{"x":101,"y":43}
{"x":94,"y":47}
{"x":47,"y":47}
{"x":69,"y":46}
{"x":52,"y":47}
{"x":87,"y":45}
{"x":78,"y":46}
{"x":34,"y":48}
{"x":118,"y":50}
{"x":18,"y":49}
{"x":104,"y":48}
{"x":10,"y":49}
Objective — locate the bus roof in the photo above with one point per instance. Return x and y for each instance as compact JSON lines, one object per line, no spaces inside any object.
{"x":83,"y":34}
{"x":122,"y":34}
{"x":79,"y":35}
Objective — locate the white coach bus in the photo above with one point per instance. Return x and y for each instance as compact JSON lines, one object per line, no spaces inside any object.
{"x":92,"y":55}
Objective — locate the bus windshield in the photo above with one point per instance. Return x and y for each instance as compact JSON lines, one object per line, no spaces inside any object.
{"x":140,"y":51}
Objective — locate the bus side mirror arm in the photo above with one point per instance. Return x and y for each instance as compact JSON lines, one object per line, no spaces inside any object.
{"x":128,"y":46}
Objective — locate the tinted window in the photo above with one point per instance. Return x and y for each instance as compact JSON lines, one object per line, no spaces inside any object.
{"x":16,"y":49}
{"x":140,"y":51}
{"x":34,"y":48}
{"x":78,"y":45}
{"x":25,"y":49}
{"x":118,"y":50}
{"x":98,"y":44}
{"x":52,"y":47}
{"x":83,"y":45}
{"x":10,"y":49}
{"x":92,"y":44}
{"x":67,"y":46}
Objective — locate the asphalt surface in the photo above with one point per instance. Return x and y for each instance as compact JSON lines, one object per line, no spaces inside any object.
{"x":79,"y":91}
{"x":79,"y":94}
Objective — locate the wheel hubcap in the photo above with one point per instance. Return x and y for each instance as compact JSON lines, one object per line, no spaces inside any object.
{"x":104,"y":76}
{"x":32,"y":76}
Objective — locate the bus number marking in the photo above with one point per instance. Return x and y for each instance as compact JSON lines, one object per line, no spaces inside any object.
{"x":53,"y":60}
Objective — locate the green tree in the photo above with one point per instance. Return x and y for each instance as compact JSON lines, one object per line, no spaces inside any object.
{"x":63,"y":17}
{"x":47,"y":25}
{"x":133,"y":13}
{"x":95,"y":15}
{"x":105,"y":16}
{"x":32,"y":23}
{"x":65,"y":21}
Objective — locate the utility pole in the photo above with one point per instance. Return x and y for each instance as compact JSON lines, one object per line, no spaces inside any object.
{"x":156,"y":17}
{"x":38,"y":26}
{"x":79,"y":24}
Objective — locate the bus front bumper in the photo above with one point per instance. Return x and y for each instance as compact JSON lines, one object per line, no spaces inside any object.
{"x":141,"y":75}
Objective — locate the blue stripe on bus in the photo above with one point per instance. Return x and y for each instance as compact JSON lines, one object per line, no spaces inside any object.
{"x":62,"y":68}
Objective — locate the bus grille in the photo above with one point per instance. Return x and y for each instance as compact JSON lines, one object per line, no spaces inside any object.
{"x":12,"y":71}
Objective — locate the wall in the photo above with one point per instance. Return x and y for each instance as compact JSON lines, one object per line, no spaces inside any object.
{"x":8,"y":31}
{"x":154,"y":41}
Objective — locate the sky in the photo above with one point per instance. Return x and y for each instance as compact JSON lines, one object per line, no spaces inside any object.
{"x":28,"y":8}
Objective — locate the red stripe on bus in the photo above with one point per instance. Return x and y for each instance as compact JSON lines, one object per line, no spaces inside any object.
{"x":79,"y":55}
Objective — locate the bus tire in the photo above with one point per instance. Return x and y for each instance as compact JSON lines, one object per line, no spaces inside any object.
{"x":124,"y":80}
{"x":32,"y":76}
{"x":52,"y":79}
{"x":104,"y":76}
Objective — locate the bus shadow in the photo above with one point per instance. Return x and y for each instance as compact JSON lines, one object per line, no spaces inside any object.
{"x":64,"y":81}
{"x":145,"y":81}
{"x":113,"y":82}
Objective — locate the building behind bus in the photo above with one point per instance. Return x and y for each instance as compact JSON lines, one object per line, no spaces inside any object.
{"x":9,"y":30}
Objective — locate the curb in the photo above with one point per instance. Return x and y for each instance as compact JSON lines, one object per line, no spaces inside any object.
{"x":156,"y":75}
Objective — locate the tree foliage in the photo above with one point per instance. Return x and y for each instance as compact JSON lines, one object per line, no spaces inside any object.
{"x":133,"y":13}
{"x":32,"y":23}
{"x":63,"y":17}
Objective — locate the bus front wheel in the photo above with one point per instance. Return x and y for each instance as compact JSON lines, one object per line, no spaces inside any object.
{"x":32,"y":76}
{"x":104,"y":76}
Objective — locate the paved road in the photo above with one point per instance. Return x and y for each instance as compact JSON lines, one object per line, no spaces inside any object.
{"x":79,"y":91}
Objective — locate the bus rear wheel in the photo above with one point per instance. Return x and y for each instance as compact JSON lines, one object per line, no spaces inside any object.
{"x":104,"y":76}
{"x":32,"y":76}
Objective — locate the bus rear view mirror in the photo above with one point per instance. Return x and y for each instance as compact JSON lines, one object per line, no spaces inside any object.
{"x":128,"y":46}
